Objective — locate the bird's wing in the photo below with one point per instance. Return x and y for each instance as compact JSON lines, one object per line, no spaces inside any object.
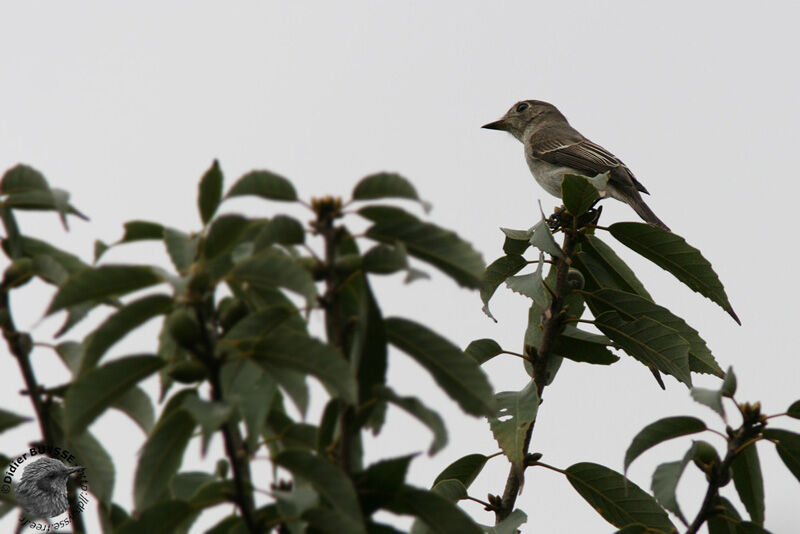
{"x":581,"y":154}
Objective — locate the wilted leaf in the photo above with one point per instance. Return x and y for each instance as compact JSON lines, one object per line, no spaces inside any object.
{"x":660,"y":431}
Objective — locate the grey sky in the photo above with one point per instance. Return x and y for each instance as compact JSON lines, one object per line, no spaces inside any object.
{"x":125,"y":105}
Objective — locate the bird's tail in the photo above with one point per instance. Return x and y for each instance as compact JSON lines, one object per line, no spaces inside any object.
{"x":643,"y":210}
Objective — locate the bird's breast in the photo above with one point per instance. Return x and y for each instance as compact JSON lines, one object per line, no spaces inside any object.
{"x":549,"y":175}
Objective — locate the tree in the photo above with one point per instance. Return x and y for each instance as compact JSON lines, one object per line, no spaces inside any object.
{"x":234,"y":349}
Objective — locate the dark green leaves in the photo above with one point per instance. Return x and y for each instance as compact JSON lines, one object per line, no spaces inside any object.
{"x":264,"y":184}
{"x":465,"y":469}
{"x":749,"y":482}
{"x":516,"y":412}
{"x":272,"y":269}
{"x":103,"y":282}
{"x":660,"y":431}
{"x":456,"y":373}
{"x":580,"y":193}
{"x":650,"y":342}
{"x":439,"y":247}
{"x":496,"y":274}
{"x":794,"y":410}
{"x":94,"y":391}
{"x":223,"y":234}
{"x":10,"y":420}
{"x":618,"y":500}
{"x":210,"y":192}
{"x":22,"y":179}
{"x":483,"y":350}
{"x":438,"y":513}
{"x":329,"y":481}
{"x":581,"y":346}
{"x":665,"y":483}
{"x":672,"y":253}
{"x":386,"y":185}
{"x":788,"y":446}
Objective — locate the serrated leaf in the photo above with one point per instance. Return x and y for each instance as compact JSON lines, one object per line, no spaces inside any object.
{"x":617,"y":499}
{"x":665,"y":483}
{"x":660,"y":431}
{"x":603,"y":268}
{"x":271,"y":269}
{"x":434,"y":510}
{"x":581,"y":346}
{"x":630,"y":307}
{"x":161,"y":457}
{"x":328,"y":480}
{"x":309,"y":356}
{"x":137,"y":405}
{"x":224,"y":234}
{"x":441,"y":248}
{"x":466,"y":469}
{"x":516,"y":412}
{"x":650,"y":342}
{"x":579,"y":193}
{"x":749,"y":483}
{"x":386,"y":185}
{"x":422,"y":413}
{"x":94,"y":391}
{"x":516,"y":241}
{"x":452,"y":490}
{"x":455,"y":372}
{"x":531,"y":285}
{"x":120,"y":324}
{"x":10,"y":420}
{"x":542,"y":238}
{"x":788,"y":446}
{"x":209,"y":192}
{"x":673,"y":254}
{"x":103,"y":282}
{"x":495,"y":274}
{"x":264,"y":184}
{"x":483,"y":350}
{"x":711,"y":398}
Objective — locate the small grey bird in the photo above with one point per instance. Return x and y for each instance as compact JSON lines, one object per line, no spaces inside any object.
{"x":553,"y":148}
{"x":42,"y":490}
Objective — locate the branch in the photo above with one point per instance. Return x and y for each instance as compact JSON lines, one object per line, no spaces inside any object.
{"x":553,"y":325}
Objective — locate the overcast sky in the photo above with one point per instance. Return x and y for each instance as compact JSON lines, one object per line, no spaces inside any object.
{"x":126,"y":105}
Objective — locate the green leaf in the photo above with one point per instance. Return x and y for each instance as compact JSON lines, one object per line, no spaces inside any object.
{"x":516,"y":412}
{"x":328,"y":480}
{"x":516,"y":241}
{"x":531,"y":285}
{"x":385,"y":259}
{"x":581,"y":346}
{"x":161,"y":457}
{"x":650,"y":342}
{"x":271,"y":269}
{"x":455,"y":372}
{"x":435,"y":511}
{"x":496,"y":274}
{"x":422,"y":413}
{"x":466,"y":469}
{"x":209,"y":415}
{"x":728,"y":521}
{"x":70,"y":353}
{"x":181,"y":248}
{"x":665,"y":483}
{"x":281,"y":229}
{"x":794,"y":410}
{"x":386,"y":185}
{"x":441,"y":248}
{"x":711,"y":398}
{"x":452,"y":490}
{"x":630,"y":307}
{"x":578,"y":193}
{"x":788,"y":446}
{"x":94,"y":391}
{"x":99,"y":466}
{"x":120,"y":324}
{"x":223,"y":234}
{"x":264,"y":184}
{"x":164,"y":516}
{"x":660,"y":431}
{"x":749,"y":482}
{"x":137,"y":405}
{"x":380,"y":481}
{"x":603,"y":268}
{"x":103,"y":282}
{"x":22,"y":178}
{"x":617,"y":499}
{"x":209,"y":193}
{"x":141,"y":231}
{"x":483,"y":350}
{"x":672,"y":253}
{"x":310,"y":356}
{"x":542,"y":238}
{"x":728,"y":388}
{"x":379,"y":213}
{"x":10,"y":420}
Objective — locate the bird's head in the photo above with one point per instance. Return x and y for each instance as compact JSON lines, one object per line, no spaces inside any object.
{"x":48,"y":474}
{"x":523,"y":115}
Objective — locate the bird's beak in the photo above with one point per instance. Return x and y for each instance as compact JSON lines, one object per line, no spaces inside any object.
{"x":76,"y":469}
{"x":496,"y":125}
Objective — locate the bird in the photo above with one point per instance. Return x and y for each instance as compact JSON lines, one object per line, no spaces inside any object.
{"x":554,"y":148}
{"x":42,"y":490}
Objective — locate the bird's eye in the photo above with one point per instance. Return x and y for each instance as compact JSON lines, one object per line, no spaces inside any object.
{"x":522,"y":107}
